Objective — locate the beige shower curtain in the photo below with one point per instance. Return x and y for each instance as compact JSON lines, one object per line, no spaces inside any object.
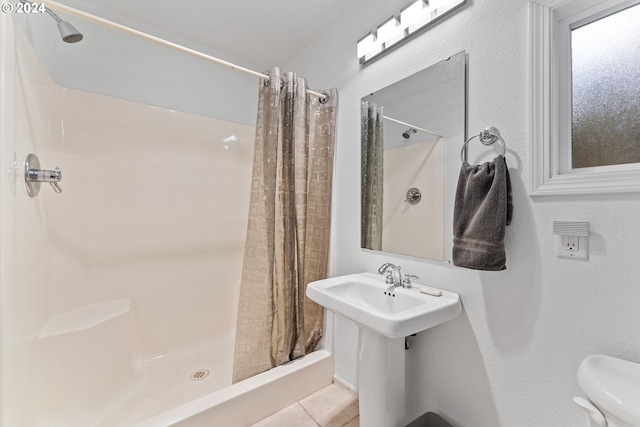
{"x":372,"y":175}
{"x":287,"y":242}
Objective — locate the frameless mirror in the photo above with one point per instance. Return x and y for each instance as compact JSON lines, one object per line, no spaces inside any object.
{"x":410,"y":131}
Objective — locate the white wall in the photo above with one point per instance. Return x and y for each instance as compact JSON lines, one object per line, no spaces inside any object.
{"x":112,"y":63}
{"x":510,"y":359}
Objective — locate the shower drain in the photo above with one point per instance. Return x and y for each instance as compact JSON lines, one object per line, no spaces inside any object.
{"x":198,"y":375}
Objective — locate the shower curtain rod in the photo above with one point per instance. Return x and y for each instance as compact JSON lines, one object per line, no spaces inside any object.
{"x":412,"y":126}
{"x":110,"y":24}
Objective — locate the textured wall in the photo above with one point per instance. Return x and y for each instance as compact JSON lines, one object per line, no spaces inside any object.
{"x":510,"y":359}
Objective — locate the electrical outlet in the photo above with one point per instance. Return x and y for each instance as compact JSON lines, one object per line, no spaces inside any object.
{"x":576,"y":247}
{"x":570,"y":243}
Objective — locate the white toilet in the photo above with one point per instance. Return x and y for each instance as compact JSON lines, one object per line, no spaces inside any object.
{"x":612,"y":387}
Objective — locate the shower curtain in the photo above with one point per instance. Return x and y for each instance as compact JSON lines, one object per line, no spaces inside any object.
{"x":287,"y":242}
{"x":372,"y":175}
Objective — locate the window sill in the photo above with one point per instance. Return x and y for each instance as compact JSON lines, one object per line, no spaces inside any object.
{"x":622,"y":181}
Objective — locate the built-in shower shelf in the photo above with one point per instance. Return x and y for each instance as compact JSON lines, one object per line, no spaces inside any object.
{"x":85,"y":317}
{"x":84,"y":362}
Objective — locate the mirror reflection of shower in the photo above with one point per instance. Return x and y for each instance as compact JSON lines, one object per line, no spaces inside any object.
{"x":68,"y":32}
{"x":409,"y":130}
{"x":407,"y":133}
{"x":412,"y":129}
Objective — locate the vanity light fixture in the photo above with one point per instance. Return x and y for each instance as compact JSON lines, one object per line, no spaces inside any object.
{"x":413,"y":18}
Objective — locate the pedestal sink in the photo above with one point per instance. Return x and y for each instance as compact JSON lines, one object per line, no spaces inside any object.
{"x":385,"y":315}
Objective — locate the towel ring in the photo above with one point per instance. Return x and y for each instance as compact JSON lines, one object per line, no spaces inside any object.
{"x":487,"y":137}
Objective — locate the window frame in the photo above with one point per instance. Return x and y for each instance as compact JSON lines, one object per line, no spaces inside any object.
{"x":550,"y":24}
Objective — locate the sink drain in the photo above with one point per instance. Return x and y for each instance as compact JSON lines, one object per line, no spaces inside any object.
{"x":198,"y":375}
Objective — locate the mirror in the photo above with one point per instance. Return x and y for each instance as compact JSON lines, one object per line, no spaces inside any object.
{"x":410,"y":131}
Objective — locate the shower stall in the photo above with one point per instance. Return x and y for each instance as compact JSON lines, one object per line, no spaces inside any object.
{"x":120,"y":293}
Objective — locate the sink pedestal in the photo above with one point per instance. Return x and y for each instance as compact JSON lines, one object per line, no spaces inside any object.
{"x":381,"y":380}
{"x":384,"y":316}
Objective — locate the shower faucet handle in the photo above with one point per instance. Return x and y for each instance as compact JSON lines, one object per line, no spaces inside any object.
{"x":33,"y":176}
{"x":58,"y":177}
{"x":44,"y":175}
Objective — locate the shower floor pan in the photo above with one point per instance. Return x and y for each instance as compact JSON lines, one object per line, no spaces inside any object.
{"x":97,"y":385}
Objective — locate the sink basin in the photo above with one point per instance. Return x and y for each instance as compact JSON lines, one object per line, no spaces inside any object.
{"x":397,"y":312}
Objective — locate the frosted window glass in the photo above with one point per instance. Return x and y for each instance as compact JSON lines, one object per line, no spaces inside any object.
{"x":606,"y":90}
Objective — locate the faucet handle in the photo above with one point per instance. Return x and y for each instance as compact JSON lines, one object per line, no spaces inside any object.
{"x":406,"y":283}
{"x":389,"y":278}
{"x":55,"y":177}
{"x":33,"y":176}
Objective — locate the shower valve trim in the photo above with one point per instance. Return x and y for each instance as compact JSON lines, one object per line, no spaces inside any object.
{"x":33,"y":176}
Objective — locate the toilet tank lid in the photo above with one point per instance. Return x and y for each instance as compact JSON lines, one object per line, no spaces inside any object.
{"x":613,"y":385}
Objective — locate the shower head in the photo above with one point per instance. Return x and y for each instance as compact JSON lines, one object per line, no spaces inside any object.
{"x":68,"y":32}
{"x":407,"y":133}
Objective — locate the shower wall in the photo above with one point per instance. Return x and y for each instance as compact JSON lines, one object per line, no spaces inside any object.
{"x":164,"y":196}
{"x":143,"y":246}
{"x":23,"y":286}
{"x":416,"y":230}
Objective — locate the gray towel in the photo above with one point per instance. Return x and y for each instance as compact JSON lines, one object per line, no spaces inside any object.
{"x":482,"y":209}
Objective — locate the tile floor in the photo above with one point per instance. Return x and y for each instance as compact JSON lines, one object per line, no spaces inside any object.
{"x":333,"y":406}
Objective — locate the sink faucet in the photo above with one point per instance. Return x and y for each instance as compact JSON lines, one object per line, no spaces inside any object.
{"x":394,"y":277}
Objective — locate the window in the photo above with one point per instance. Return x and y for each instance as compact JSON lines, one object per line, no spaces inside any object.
{"x":605,"y":81}
{"x":585,"y":82}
